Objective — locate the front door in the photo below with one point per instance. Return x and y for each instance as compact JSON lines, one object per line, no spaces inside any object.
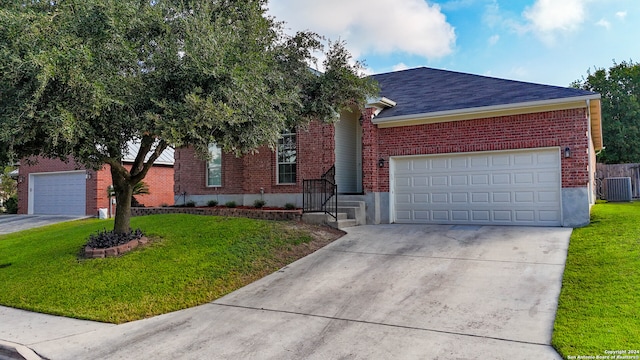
{"x":348,"y":151}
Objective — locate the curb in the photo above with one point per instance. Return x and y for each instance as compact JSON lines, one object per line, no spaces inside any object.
{"x":13,"y":351}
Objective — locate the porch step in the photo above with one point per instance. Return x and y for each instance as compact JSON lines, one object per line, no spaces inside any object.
{"x":354,"y":209}
{"x":350,"y":213}
{"x":342,"y":223}
{"x":324,"y":219}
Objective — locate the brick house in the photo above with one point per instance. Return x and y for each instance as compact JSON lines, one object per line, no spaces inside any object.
{"x":437,"y":147}
{"x":53,"y":187}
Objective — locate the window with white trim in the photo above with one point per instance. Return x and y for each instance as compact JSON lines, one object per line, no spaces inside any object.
{"x":214,"y":166}
{"x":287,"y":157}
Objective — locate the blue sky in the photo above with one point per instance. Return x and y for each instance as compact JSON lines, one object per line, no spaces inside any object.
{"x":543,"y":41}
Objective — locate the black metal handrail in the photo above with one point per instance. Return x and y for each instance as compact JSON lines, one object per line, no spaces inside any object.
{"x":321,"y":195}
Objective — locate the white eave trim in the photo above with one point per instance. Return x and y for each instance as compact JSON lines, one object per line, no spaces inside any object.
{"x":485,"y":111}
{"x":380,"y":104}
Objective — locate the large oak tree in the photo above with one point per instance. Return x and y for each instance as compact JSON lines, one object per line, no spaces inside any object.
{"x":81,"y":79}
{"x":619,"y":87}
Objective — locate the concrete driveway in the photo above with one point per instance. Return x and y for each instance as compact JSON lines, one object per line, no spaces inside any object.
{"x":380,"y":292}
{"x":14,"y":223}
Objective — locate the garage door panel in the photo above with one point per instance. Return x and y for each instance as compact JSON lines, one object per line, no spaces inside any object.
{"x":481,"y":215}
{"x":480,"y":161}
{"x":441,"y":198}
{"x":548,"y":196}
{"x":480,"y":197}
{"x":548,"y":159}
{"x":526,"y":160}
{"x":403,"y":216}
{"x":403,"y":166}
{"x":439,"y":181}
{"x":403,"y":181}
{"x":439,"y":164}
{"x":549,"y":215}
{"x":460,"y":215}
{"x":523,"y":178}
{"x":440,"y":215}
{"x":421,"y":181}
{"x":519,"y":187}
{"x":550,"y":177}
{"x":501,"y":179}
{"x":482,"y":179}
{"x":422,"y":216}
{"x":59,"y":193}
{"x":501,"y":160}
{"x":459,"y":180}
{"x":459,"y":163}
{"x":525,"y":215}
{"x":524,"y":197}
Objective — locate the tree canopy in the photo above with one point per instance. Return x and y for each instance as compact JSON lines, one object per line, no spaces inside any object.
{"x":619,"y":87}
{"x":84,"y":78}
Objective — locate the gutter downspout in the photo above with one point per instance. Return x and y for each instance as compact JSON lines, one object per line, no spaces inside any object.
{"x":592,"y":175}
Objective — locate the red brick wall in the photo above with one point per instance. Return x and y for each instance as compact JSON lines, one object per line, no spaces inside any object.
{"x":546,"y":129}
{"x":564,"y":128}
{"x":159,"y":179}
{"x":160,"y":182}
{"x":249,"y":173}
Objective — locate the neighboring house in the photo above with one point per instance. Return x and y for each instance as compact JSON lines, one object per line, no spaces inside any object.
{"x":53,"y":187}
{"x":438,"y":147}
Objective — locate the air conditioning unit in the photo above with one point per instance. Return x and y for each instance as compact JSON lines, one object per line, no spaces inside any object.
{"x":618,"y":188}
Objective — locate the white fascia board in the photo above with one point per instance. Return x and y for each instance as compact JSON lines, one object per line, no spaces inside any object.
{"x":486,"y":111}
{"x":380,"y":104}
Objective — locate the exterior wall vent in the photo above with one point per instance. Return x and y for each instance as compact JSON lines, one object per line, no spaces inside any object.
{"x":618,"y":189}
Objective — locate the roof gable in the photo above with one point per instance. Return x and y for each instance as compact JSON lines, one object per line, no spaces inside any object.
{"x":426,"y":90}
{"x":133,"y":147}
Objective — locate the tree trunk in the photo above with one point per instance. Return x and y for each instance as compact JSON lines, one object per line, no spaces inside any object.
{"x":123,"y":189}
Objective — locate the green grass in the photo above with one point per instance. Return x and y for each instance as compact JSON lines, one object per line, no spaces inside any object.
{"x":599,"y":305}
{"x":192,"y":260}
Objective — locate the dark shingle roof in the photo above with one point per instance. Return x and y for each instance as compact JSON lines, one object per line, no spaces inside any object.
{"x":426,"y":90}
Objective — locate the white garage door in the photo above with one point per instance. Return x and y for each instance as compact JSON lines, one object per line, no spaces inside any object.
{"x":59,"y":193}
{"x":497,"y":188}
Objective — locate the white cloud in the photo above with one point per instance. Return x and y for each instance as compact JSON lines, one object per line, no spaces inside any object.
{"x":400,"y":66}
{"x":373,"y":26}
{"x":494,"y":39}
{"x":621,"y":15}
{"x":604,"y":23}
{"x":547,"y":16}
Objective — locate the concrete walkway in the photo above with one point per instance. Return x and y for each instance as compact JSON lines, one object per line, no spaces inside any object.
{"x":14,"y":223}
{"x":380,"y":292}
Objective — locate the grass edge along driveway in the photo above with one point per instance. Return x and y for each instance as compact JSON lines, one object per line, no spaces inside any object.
{"x":192,"y":260}
{"x":599,"y":305}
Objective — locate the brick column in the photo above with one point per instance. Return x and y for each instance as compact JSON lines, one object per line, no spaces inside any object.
{"x":370,"y":170}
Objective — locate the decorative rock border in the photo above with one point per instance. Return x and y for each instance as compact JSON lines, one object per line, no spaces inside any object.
{"x":93,"y":253}
{"x":223,"y":211}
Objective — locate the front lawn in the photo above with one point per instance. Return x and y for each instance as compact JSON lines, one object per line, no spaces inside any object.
{"x":599,"y":306}
{"x":192,"y":260}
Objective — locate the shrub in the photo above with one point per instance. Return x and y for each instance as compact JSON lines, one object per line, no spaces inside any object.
{"x":212,"y":203}
{"x":289,"y":206}
{"x":106,"y":239}
{"x":190,"y":203}
{"x":230,"y":204}
{"x":11,"y":205}
{"x":259,"y":203}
